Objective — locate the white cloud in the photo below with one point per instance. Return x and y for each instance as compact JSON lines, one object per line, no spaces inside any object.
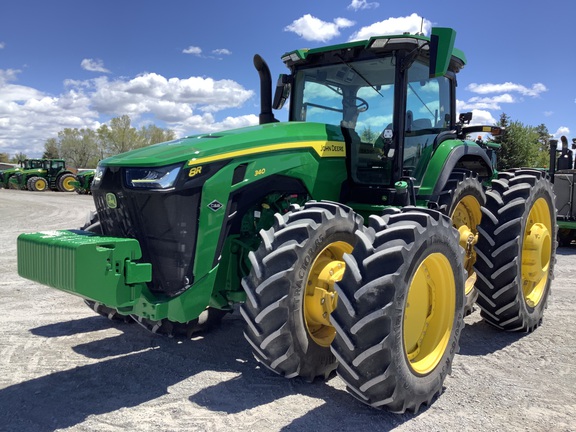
{"x":504,"y":94}
{"x":479,"y":116}
{"x":2,"y":45}
{"x":489,"y":103}
{"x":194,"y":50}
{"x":94,"y":65}
{"x":144,"y":93}
{"x":221,"y":51}
{"x":362,"y":4}
{"x":28,"y":116}
{"x":488,"y":88}
{"x":412,"y":24}
{"x":311,"y":28}
{"x":562,"y":130}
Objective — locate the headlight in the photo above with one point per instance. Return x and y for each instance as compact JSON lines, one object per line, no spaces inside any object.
{"x":98,"y":175}
{"x":152,"y":178}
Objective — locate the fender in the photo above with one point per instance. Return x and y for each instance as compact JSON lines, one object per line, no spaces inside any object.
{"x":449,"y":155}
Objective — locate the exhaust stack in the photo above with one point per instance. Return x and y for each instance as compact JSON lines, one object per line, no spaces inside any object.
{"x":266,"y":115}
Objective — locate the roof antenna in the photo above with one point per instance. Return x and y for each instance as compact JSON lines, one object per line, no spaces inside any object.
{"x":422,"y":26}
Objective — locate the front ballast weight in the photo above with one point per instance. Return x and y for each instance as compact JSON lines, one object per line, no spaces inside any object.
{"x":102,"y":269}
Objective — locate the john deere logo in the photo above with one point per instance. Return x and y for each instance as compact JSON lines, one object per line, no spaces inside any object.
{"x":111,"y":200}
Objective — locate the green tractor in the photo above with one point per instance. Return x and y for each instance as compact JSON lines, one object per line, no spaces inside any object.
{"x":51,"y":174}
{"x":564,"y":176}
{"x":354,"y":236}
{"x":26,"y":164}
{"x":83,"y":182}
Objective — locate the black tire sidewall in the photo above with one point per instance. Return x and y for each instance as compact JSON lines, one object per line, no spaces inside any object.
{"x":534,"y":314}
{"x":416,"y":383}
{"x":285,"y":257}
{"x":502,"y":297}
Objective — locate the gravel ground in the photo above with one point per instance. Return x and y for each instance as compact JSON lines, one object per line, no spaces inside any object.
{"x":64,"y":368}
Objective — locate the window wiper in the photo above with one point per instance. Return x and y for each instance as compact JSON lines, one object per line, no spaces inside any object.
{"x":359,"y":74}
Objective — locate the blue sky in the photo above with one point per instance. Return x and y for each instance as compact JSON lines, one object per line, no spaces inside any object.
{"x":187,"y":64}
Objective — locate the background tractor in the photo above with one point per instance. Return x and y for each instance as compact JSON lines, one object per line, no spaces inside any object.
{"x":565,"y":190}
{"x":26,"y":164}
{"x":355,"y":236}
{"x":83,"y":181}
{"x":51,"y":174}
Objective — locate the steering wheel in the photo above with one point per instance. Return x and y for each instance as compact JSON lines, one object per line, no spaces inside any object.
{"x":362,"y":106}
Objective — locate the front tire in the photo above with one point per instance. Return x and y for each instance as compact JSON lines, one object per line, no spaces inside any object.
{"x":400,"y":309}
{"x":65,"y":182}
{"x":517,"y":250}
{"x":290,"y":289}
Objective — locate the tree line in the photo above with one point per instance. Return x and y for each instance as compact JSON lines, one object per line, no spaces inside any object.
{"x":83,"y":148}
{"x":521,"y":145}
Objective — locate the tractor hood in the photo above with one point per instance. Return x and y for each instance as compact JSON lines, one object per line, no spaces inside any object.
{"x":33,"y":171}
{"x":231,"y":144}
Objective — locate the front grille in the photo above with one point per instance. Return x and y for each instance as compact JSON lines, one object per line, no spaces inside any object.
{"x":163,"y":222}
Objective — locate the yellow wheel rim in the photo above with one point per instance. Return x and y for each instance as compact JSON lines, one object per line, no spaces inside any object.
{"x":68,"y":184}
{"x":465,"y":218}
{"x":40,"y":184}
{"x":320,"y":299}
{"x":429,"y":313}
{"x":536,"y":252}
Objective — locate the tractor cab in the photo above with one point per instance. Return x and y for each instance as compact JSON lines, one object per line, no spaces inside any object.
{"x":54,"y":166}
{"x":393,"y":100}
{"x":389,"y":99}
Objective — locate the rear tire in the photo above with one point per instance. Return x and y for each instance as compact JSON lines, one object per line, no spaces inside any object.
{"x":517,"y":250}
{"x":462,"y":200}
{"x":290,"y":289}
{"x":400,"y":309}
{"x":37,"y":184}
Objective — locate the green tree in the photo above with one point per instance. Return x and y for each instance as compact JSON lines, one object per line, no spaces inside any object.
{"x":119,"y":137}
{"x":368,"y":136}
{"x":18,"y":157}
{"x":521,"y":145}
{"x":79,"y":147}
{"x":51,"y":149}
{"x":152,"y":134}
{"x":543,"y":145}
{"x":4,"y":157}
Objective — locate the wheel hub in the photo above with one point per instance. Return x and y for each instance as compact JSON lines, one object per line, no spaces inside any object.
{"x":536,"y":253}
{"x":465,"y":217}
{"x":429,"y":313}
{"x":321,"y":298}
{"x":322,"y":302}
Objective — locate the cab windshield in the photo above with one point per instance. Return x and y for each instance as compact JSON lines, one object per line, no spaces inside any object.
{"x":358,"y":96}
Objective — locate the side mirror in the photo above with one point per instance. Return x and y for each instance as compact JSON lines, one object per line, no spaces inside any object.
{"x":465,"y":118}
{"x":441,"y":46}
{"x":282,"y":93}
